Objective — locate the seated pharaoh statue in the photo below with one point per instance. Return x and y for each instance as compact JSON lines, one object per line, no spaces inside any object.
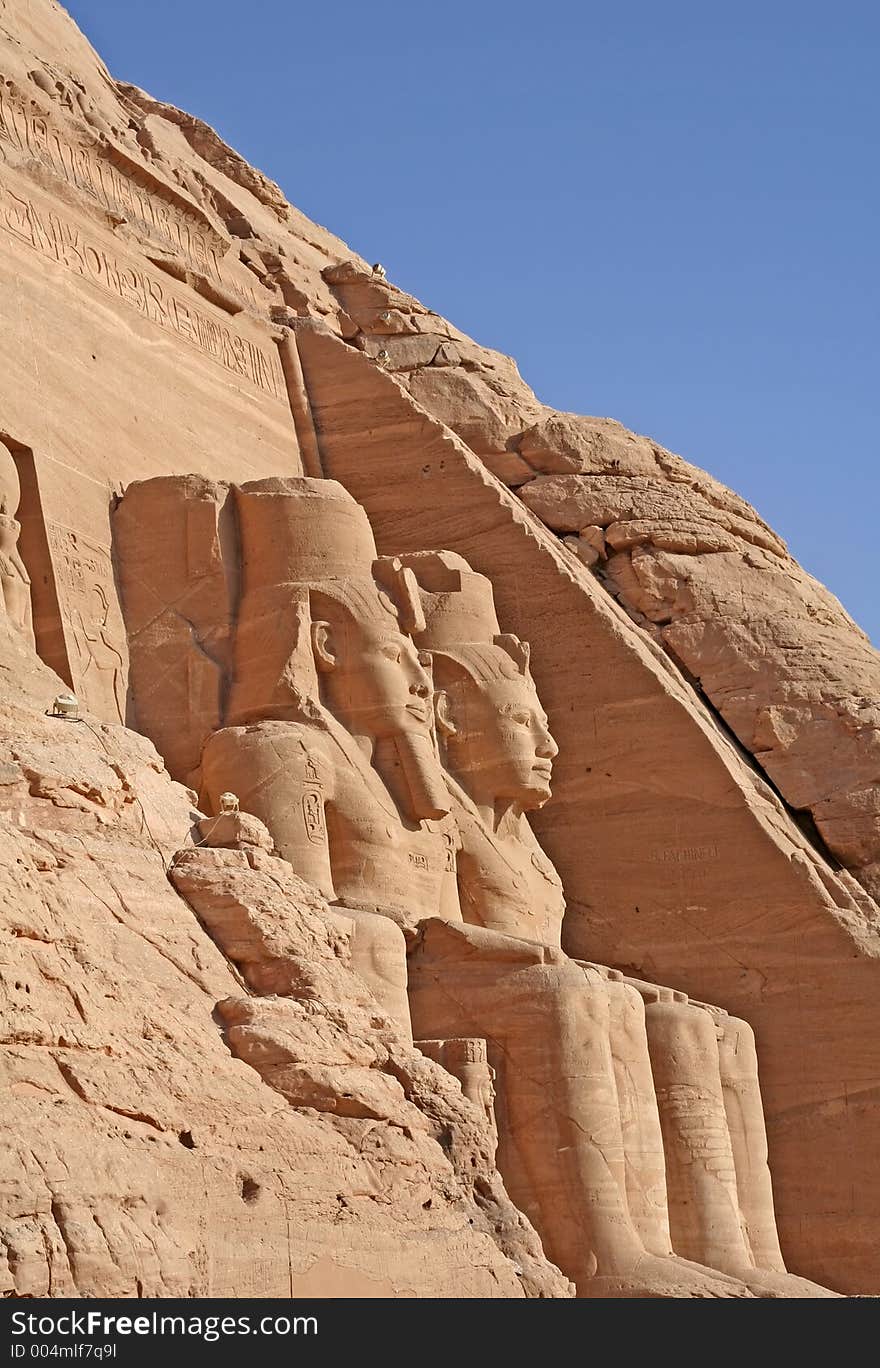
{"x":331,"y":739}
{"x":391,"y":739}
{"x":587,"y":1139}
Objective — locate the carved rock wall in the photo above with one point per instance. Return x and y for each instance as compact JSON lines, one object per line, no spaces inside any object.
{"x":655,"y":812}
{"x":579,"y":1131}
{"x":151,"y":275}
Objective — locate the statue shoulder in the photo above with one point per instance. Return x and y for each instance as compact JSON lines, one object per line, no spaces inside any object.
{"x":302,"y":750}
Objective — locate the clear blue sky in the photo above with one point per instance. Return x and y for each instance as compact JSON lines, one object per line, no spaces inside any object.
{"x":667,"y":212}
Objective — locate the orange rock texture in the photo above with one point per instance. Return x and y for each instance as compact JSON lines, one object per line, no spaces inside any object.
{"x":389,"y":677}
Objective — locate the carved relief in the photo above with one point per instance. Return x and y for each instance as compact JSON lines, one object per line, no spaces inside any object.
{"x":109,"y":179}
{"x":15,"y":584}
{"x":77,"y":623}
{"x":85,"y":584}
{"x":313,"y":817}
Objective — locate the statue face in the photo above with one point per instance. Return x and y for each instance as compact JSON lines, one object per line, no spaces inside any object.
{"x":502,"y":740}
{"x":376,"y":684}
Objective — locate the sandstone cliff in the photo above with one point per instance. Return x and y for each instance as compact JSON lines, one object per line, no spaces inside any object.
{"x":716,"y":817}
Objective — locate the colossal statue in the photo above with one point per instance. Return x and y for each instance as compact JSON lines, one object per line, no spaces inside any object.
{"x":584,"y":1146}
{"x":622,"y":1128}
{"x":330,"y":741}
{"x":330,"y":731}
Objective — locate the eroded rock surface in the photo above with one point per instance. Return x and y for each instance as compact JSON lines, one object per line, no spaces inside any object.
{"x":786,"y":667}
{"x":171,"y":314}
{"x":144,"y":1152}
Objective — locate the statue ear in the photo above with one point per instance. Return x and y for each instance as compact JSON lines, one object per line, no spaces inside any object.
{"x":445,"y":724}
{"x":323,"y":646}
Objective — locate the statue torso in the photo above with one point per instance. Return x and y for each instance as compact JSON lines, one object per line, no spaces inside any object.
{"x":505,"y":881}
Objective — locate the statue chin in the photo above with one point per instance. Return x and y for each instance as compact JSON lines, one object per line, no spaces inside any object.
{"x":402,"y":723}
{"x":529,"y":796}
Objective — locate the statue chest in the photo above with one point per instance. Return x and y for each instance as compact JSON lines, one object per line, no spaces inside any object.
{"x":380,"y":861}
{"x":509,"y":885}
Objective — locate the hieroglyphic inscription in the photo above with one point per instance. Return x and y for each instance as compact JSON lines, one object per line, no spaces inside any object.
{"x":64,"y":243}
{"x":104,"y":183}
{"x":97,"y":650}
{"x":313,"y":816}
{"x":685,"y":854}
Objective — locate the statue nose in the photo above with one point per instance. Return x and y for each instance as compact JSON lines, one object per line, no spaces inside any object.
{"x":547,"y":748}
{"x":421,"y":690}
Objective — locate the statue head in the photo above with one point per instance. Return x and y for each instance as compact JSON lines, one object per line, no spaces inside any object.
{"x":496,"y":734}
{"x":321,"y":614}
{"x":373,"y":678}
{"x":324,"y":622}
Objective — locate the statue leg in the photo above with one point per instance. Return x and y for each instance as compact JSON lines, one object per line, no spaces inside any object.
{"x":561,"y":1148}
{"x":704,"y":1213}
{"x":378,"y":955}
{"x":705,"y":1216}
{"x":745,"y":1119}
{"x":645,"y":1163}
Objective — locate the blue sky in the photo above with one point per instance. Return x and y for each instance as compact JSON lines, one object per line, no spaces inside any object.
{"x":667,"y":213}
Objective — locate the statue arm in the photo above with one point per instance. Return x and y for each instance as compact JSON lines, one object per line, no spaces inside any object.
{"x":458,"y":940}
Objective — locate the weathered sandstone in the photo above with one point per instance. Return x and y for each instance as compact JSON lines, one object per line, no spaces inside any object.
{"x":144,"y":1153}
{"x":208,"y":1034}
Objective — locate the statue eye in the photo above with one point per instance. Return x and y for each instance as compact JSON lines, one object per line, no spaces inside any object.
{"x":523,"y":718}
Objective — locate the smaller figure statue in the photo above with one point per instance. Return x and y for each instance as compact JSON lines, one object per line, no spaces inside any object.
{"x":14,"y":579}
{"x":101,"y":663}
{"x":466,"y":1058}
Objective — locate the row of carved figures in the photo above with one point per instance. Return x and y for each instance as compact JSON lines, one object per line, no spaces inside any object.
{"x":371,"y":713}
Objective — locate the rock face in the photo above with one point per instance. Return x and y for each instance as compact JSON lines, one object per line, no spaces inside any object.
{"x":334,"y":969}
{"x":144,"y":1153}
{"x":785,"y":666}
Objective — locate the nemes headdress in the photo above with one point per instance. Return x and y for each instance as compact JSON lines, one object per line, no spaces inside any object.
{"x":308,"y":555}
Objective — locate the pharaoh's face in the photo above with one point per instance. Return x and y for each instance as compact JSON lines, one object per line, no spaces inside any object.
{"x":503,"y":743}
{"x":376,"y":683}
